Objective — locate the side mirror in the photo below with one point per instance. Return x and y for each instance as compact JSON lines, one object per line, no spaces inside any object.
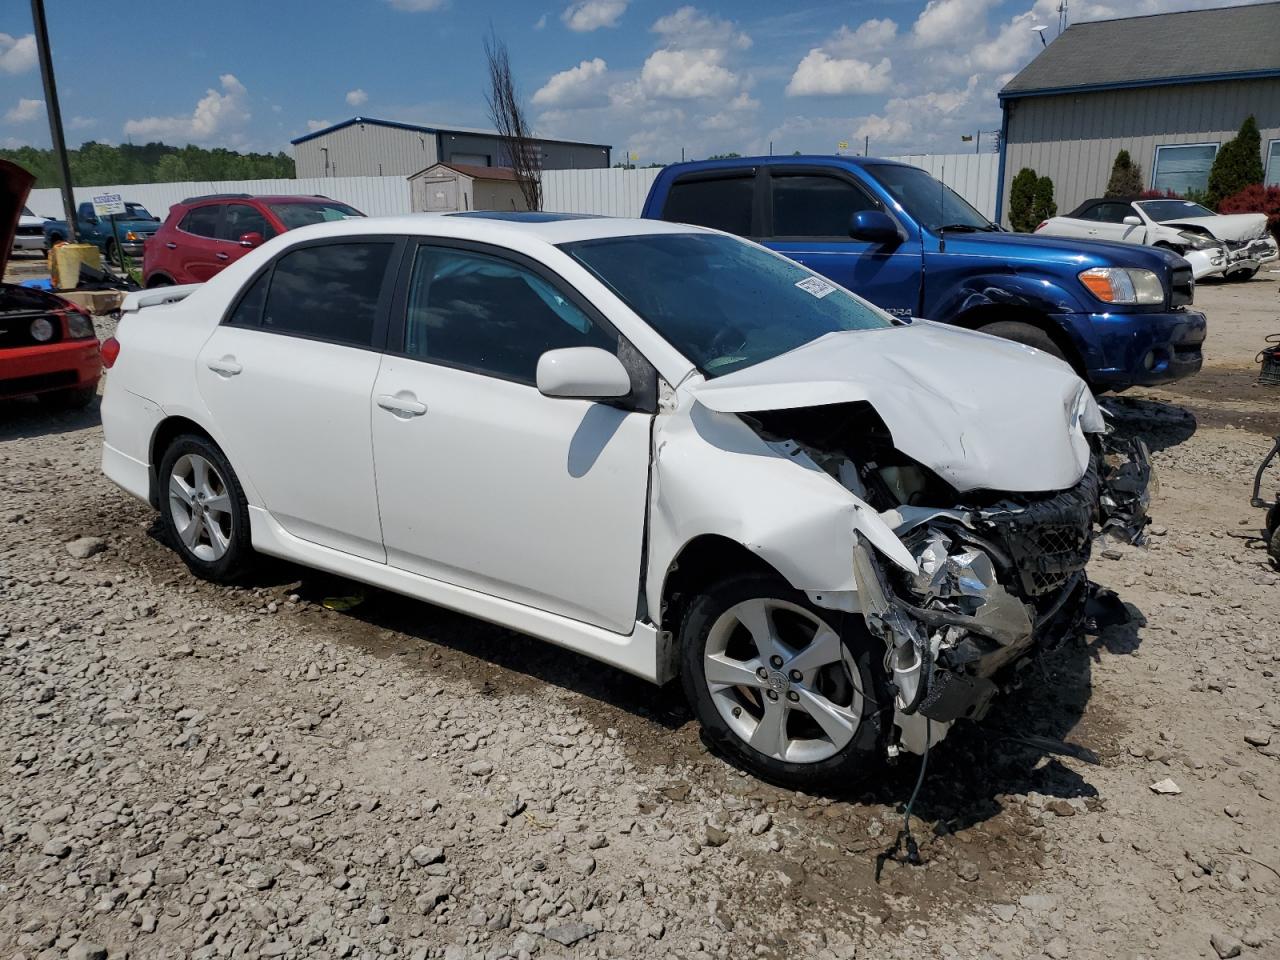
{"x":582,"y":373}
{"x":251,"y":239}
{"x":1132,"y":221}
{"x":874,"y":226}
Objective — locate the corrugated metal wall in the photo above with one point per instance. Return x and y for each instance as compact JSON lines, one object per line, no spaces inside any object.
{"x":613,"y":192}
{"x":1074,"y":138}
{"x":366,"y":150}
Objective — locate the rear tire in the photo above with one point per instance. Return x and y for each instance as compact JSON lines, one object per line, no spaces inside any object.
{"x":204,"y":511}
{"x":159,"y":280}
{"x":1241,"y":276}
{"x":1027,"y":334}
{"x":113,"y":254}
{"x":75,"y":399}
{"x":806,"y":707}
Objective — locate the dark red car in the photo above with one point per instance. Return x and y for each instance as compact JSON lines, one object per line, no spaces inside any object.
{"x":202,"y":235}
{"x":48,"y":347}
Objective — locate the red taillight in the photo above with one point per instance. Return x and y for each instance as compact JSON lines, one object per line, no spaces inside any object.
{"x":1043,"y":224}
{"x":110,"y":351}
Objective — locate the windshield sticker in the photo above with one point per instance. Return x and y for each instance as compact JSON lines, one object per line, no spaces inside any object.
{"x":816,"y":286}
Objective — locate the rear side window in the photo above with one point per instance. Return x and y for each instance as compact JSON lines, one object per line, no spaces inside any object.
{"x":202,"y":221}
{"x":722,"y":203}
{"x":805,"y":205}
{"x":328,"y":292}
{"x":248,"y":312}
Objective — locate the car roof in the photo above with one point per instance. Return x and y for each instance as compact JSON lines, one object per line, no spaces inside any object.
{"x":803,"y":160}
{"x":501,"y":228}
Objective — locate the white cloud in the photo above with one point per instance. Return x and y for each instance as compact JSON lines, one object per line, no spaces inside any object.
{"x":417,"y":6}
{"x":356,"y":97}
{"x":17,"y":54}
{"x":24,"y":110}
{"x":687,"y":75}
{"x":821,"y":75}
{"x":81,"y":123}
{"x":948,"y":21}
{"x":689,"y":27}
{"x":576,"y":86}
{"x":314,"y":125}
{"x":217,"y":117}
{"x":871,"y":36}
{"x":734,"y":115}
{"x":542,"y":23}
{"x":583,"y":16}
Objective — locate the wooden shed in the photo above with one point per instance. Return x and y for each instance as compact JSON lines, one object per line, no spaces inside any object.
{"x":448,"y":187}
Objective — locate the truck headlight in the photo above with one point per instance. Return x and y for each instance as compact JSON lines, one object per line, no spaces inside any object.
{"x":1123,"y":285}
{"x":131,"y":237}
{"x":1198,"y":241}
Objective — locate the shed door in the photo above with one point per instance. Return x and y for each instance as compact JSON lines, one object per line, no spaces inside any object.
{"x":442,"y":195}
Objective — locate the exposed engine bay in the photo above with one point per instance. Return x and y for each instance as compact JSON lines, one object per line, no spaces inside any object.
{"x":1000,"y":576}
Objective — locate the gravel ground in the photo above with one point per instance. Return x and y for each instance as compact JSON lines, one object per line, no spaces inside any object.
{"x":193,"y":771}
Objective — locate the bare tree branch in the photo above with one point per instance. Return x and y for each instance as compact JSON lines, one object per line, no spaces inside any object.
{"x":506,"y":111}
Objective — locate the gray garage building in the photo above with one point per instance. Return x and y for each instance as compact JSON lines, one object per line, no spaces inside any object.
{"x":367,"y":147}
{"x":1170,"y":88}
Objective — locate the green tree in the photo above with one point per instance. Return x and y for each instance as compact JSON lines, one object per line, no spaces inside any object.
{"x":1237,"y":165}
{"x":1022,"y":198}
{"x":1043,"y":205}
{"x":1126,"y":178}
{"x":98,"y":164}
{"x":724,"y":156}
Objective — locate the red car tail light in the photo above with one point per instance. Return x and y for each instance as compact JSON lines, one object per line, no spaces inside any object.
{"x":110,"y":351}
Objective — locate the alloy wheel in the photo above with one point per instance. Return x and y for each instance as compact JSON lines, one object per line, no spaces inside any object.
{"x":783,"y":680}
{"x":201,"y":507}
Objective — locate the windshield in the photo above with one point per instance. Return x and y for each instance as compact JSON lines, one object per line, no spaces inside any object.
{"x":294,"y":215}
{"x":929,"y":202}
{"x":1162,"y":211}
{"x":26,"y":212}
{"x":723,"y":303}
{"x":134,"y":211}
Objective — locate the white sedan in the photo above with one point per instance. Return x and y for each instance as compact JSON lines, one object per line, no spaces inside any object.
{"x":1230,"y":245}
{"x":664,"y":447}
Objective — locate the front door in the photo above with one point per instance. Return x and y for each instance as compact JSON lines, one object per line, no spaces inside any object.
{"x":808,"y":215}
{"x":1110,"y":224}
{"x":485,"y":483}
{"x":287,"y":377}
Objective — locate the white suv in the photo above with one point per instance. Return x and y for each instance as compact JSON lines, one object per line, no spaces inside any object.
{"x":664,"y":447}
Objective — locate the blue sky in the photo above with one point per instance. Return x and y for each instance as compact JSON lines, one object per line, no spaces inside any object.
{"x":648,"y":76}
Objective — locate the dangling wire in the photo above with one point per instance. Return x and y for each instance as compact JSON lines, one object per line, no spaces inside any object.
{"x":905,"y":837}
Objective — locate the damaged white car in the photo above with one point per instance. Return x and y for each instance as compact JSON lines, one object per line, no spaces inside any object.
{"x":664,"y":447}
{"x":1231,"y":245}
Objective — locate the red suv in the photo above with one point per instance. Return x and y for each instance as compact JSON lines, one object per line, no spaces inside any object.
{"x":203,"y":234}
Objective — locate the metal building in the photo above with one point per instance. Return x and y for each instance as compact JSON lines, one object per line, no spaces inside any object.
{"x":1170,"y":88}
{"x":366,"y":147}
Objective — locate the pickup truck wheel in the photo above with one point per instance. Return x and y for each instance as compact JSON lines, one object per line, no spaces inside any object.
{"x":1027,"y":334}
{"x":204,"y":511}
{"x":794,"y":693}
{"x":113,"y":255}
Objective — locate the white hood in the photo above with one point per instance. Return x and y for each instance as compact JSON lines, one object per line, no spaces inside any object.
{"x":1227,"y":226}
{"x":980,"y":412}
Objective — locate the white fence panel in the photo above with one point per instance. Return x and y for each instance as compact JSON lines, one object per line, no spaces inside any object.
{"x":611,"y":192}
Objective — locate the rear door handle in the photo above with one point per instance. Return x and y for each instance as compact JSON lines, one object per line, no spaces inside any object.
{"x":225,"y":366}
{"x":223,"y":256}
{"x":403,"y":407}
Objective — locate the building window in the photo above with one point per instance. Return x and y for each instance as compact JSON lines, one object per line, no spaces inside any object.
{"x":1272,"y":179}
{"x":1183,"y":168}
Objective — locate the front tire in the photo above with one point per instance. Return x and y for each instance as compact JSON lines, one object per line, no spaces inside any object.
{"x":1241,"y":276}
{"x":793,"y":692}
{"x":1025,"y":333}
{"x":204,"y":511}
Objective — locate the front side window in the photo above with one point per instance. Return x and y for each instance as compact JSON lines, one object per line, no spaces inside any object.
{"x":328,"y":292}
{"x":805,"y":205}
{"x":478,"y":312}
{"x":723,"y":303}
{"x":248,"y":312}
{"x":929,"y":202}
{"x":202,"y":221}
{"x":721,"y":203}
{"x":1183,"y":168}
{"x":301,"y":214}
{"x":240,"y":218}
{"x":1114,"y":212}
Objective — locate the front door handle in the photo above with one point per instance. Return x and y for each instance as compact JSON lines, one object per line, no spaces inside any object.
{"x":402,"y":406}
{"x":171,"y":245}
{"x":225,"y":366}
{"x":223,"y":256}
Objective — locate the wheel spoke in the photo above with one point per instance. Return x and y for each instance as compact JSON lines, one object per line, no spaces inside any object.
{"x":217,"y":540}
{"x":190,"y":532}
{"x":825,"y":648}
{"x":200,"y":475}
{"x":723,"y":671}
{"x":770,"y":734}
{"x":178,"y":488}
{"x":838,"y":723}
{"x":754,"y":615}
{"x":219,"y":503}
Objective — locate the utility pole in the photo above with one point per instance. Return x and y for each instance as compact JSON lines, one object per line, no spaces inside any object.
{"x":866,"y":145}
{"x":55,"y":116}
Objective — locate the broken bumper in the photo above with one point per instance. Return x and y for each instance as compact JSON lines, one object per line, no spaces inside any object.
{"x":1140,"y":349}
{"x":1250,"y":254}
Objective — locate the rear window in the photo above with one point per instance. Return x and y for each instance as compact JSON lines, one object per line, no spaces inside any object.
{"x":722,"y":203}
{"x":328,"y":292}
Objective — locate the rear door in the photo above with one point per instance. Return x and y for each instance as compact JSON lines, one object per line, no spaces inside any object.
{"x":288,"y":376}
{"x":195,"y":246}
{"x":807,"y":214}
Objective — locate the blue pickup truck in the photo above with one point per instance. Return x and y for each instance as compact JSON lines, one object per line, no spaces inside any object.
{"x":133,"y":227}
{"x":1118,"y":313}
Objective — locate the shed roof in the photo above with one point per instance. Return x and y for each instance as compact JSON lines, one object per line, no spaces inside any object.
{"x":472,"y":170}
{"x":418,"y":128}
{"x":1227,"y":43}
